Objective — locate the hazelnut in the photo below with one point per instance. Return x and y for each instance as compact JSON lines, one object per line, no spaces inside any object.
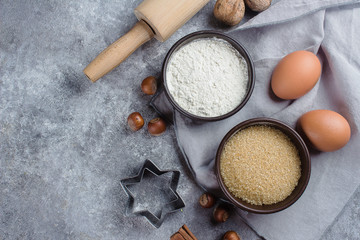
{"x":149,"y":85}
{"x":135,"y":121}
{"x":231,"y":235}
{"x":207,"y":200}
{"x":156,"y":126}
{"x":220,"y":214}
{"x":230,"y":12}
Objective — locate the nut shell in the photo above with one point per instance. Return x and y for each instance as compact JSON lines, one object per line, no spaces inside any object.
{"x":231,"y":235}
{"x":156,"y":126}
{"x":258,"y":5}
{"x":220,"y":214}
{"x":230,"y":12}
{"x":149,"y":85}
{"x":135,"y":121}
{"x":207,"y":200}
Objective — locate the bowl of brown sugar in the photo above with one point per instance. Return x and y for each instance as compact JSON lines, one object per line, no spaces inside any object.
{"x":262,"y":165}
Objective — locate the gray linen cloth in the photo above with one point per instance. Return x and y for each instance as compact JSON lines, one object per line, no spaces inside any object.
{"x":330,"y":29}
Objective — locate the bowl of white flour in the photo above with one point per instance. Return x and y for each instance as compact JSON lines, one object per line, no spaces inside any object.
{"x":208,"y":76}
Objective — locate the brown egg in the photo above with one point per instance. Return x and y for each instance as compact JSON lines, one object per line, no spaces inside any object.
{"x":326,"y":130}
{"x":295,"y":75}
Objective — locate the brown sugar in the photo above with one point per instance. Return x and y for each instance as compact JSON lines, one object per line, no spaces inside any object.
{"x":260,"y":165}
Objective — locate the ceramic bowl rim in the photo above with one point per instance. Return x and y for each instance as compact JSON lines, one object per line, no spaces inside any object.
{"x":210,"y":34}
{"x":305,"y":171}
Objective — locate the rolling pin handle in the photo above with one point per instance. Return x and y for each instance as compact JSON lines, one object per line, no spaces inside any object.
{"x":118,"y":51}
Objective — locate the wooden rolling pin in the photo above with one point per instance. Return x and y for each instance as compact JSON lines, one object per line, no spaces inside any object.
{"x":157,"y":18}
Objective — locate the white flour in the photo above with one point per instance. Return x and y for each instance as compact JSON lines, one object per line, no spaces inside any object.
{"x":207,"y":77}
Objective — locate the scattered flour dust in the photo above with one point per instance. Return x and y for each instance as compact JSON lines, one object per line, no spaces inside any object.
{"x":207,"y":77}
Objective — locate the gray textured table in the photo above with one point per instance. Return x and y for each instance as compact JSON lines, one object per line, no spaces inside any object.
{"x":64,"y":142}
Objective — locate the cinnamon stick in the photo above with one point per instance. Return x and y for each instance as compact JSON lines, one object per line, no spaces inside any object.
{"x":184,"y":233}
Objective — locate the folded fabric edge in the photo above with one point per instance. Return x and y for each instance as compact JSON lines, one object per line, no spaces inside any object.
{"x":186,"y":160}
{"x":153,"y":105}
{"x":250,"y":24}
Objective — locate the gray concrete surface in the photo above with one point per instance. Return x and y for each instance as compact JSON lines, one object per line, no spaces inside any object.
{"x":64,"y":142}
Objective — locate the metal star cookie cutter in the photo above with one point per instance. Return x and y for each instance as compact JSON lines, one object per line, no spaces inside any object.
{"x":174,"y":205}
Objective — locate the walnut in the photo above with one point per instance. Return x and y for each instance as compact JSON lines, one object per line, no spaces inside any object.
{"x":230,"y":12}
{"x":258,"y":5}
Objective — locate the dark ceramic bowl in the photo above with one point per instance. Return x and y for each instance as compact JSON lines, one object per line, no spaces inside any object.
{"x":305,"y":167}
{"x":236,"y":45}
